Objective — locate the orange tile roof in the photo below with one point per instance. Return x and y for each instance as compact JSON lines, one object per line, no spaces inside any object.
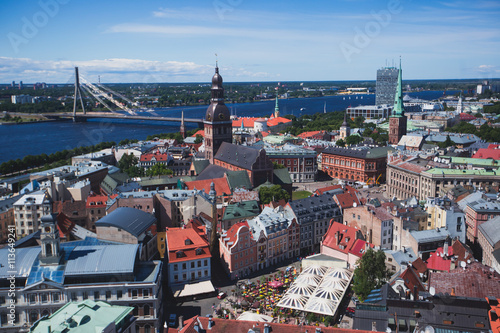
{"x":232,"y":233}
{"x":485,"y":153}
{"x":346,"y":200}
{"x":411,"y":279}
{"x":176,"y":241}
{"x":221,"y":185}
{"x":247,"y":122}
{"x":200,"y":132}
{"x":98,"y":200}
{"x":419,"y":265}
{"x":277,"y":121}
{"x":308,"y":134}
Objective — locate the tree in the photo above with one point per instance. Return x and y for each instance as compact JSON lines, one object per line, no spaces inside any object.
{"x":272,"y":193}
{"x":276,"y":165}
{"x":199,"y":139}
{"x":353,"y":139}
{"x":447,"y":143}
{"x":159,"y":169}
{"x":340,"y":143}
{"x":370,"y":274}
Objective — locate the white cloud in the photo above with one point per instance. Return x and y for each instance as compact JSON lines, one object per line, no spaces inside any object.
{"x":113,"y":70}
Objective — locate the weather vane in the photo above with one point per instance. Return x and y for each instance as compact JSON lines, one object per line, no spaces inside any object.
{"x":216,"y":62}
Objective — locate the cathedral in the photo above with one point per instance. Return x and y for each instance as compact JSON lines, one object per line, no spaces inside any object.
{"x":398,"y":120}
{"x":218,"y":125}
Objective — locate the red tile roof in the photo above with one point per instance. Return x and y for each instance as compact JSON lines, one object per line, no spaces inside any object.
{"x":411,"y":279}
{"x":64,"y":225}
{"x":221,"y":185}
{"x":264,"y":134}
{"x":437,"y":262}
{"x":98,"y":201}
{"x":346,"y":200}
{"x":419,"y":265}
{"x":485,"y":153}
{"x":241,"y":326}
{"x":466,"y":117}
{"x":412,"y":167}
{"x":322,"y":190}
{"x":158,"y":156}
{"x":232,"y":234}
{"x":476,"y":280}
{"x":185,"y":240}
{"x":359,"y":247}
{"x":340,"y":237}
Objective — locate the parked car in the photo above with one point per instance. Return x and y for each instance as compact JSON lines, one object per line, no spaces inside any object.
{"x":172,"y":320}
{"x":221,"y":295}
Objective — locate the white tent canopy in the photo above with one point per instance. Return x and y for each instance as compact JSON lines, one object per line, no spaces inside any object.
{"x":251,"y":316}
{"x":317,"y":289}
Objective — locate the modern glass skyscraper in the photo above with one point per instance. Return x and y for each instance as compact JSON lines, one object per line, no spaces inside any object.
{"x":387,"y":80}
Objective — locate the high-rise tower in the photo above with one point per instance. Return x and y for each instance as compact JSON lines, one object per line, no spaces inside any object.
{"x":217,"y":124}
{"x":387,"y":80}
{"x":398,"y":120}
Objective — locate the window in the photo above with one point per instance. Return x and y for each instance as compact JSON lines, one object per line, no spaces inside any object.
{"x":192,"y":275}
{"x":192,"y":264}
{"x":176,"y":277}
{"x":56,"y":297}
{"x":119,"y":294}
{"x":205,"y":262}
{"x":85,"y":295}
{"x":32,"y":298}
{"x":175,"y":267}
{"x":145,"y":292}
{"x":108,"y":294}
{"x":184,"y":266}
{"x":73,"y":297}
{"x":134,"y":293}
{"x":147,"y":310}
{"x":33,"y":316}
{"x":199,"y":263}
{"x":96,"y":295}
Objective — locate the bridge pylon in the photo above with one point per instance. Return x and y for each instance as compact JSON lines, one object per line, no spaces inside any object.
{"x":78,"y":94}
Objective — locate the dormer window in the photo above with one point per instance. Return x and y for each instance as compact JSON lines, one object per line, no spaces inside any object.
{"x":199,"y":251}
{"x":187,"y":241}
{"x":180,"y":254}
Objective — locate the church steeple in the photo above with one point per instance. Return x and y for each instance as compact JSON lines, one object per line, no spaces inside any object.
{"x":50,"y":240}
{"x":183,"y":126}
{"x":345,"y":129}
{"x":398,"y":109}
{"x":276,"y":107}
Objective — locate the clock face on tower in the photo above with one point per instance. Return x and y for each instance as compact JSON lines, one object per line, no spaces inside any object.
{"x":221,"y":116}
{"x":209,"y":117}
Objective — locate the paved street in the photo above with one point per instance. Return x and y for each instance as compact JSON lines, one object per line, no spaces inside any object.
{"x":203,"y":307}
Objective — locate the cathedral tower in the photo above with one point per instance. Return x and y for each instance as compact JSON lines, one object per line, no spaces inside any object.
{"x":398,"y":120}
{"x":217,"y":123}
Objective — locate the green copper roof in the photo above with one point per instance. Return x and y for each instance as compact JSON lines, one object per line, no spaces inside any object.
{"x":398,"y":109}
{"x":238,"y":179}
{"x":451,"y":172}
{"x":84,"y":317}
{"x":243,"y":209}
{"x":473,"y":161}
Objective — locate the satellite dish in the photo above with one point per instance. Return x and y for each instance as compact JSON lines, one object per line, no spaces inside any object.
{"x":432,"y":291}
{"x":462,"y":264}
{"x":354,"y":205}
{"x":388,"y":330}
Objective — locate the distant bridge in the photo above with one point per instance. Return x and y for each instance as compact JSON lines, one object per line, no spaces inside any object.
{"x":87,"y":115}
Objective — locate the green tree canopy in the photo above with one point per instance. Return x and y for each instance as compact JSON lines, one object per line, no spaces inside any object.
{"x":199,"y":139}
{"x":276,"y":165}
{"x":340,"y":143}
{"x":353,"y":139}
{"x":370,"y":274}
{"x":159,"y":169}
{"x":270,"y":193}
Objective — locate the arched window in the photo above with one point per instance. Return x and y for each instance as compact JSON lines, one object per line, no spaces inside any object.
{"x":45,"y":312}
{"x":147,"y":329}
{"x":48,"y":250}
{"x":33,"y":316}
{"x":135,"y":312}
{"x":146,"y":310}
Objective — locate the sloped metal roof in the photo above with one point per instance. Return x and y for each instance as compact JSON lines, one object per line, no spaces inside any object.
{"x":132,"y":220}
{"x":87,"y":260}
{"x":24,"y":259}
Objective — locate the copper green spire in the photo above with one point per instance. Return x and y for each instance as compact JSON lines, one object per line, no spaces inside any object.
{"x":276,"y":107}
{"x":398,"y":109}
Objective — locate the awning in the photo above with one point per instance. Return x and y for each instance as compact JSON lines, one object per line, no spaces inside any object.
{"x":193,"y":289}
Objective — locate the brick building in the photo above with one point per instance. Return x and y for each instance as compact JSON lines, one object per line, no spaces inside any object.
{"x":478,"y":212}
{"x":300,"y":162}
{"x":363,"y":165}
{"x":254,"y":161}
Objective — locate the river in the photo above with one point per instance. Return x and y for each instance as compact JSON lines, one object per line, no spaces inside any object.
{"x":49,"y":137}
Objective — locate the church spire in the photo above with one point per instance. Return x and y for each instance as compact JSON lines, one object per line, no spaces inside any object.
{"x":398,"y":109}
{"x":183,"y":127}
{"x":344,"y":124}
{"x":276,"y":107}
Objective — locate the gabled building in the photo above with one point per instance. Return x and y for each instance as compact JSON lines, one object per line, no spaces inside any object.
{"x":238,"y":250}
{"x":489,"y":240}
{"x":28,"y":210}
{"x":239,"y":212}
{"x":254,"y":161}
{"x":478,"y":212}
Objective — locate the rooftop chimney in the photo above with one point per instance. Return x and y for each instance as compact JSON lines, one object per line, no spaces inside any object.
{"x":181,"y":322}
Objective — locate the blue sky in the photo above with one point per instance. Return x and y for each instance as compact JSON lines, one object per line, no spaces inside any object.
{"x":176,"y":41}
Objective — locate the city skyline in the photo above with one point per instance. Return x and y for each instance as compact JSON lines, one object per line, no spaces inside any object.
{"x":255,"y":41}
